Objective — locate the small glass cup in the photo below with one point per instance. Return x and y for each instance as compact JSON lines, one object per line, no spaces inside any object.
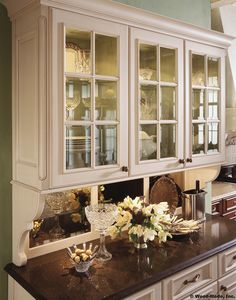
{"x":82,"y":266}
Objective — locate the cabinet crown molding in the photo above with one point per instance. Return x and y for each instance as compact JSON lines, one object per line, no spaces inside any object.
{"x":125,"y":14}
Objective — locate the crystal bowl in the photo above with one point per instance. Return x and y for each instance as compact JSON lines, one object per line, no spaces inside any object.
{"x":82,"y":266}
{"x":101,"y":215}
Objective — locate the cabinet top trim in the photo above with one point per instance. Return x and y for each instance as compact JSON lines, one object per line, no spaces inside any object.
{"x":132,"y":16}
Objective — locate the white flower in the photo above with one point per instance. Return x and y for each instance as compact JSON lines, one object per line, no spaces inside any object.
{"x":149,"y":234}
{"x":162,"y":235}
{"x":127,"y":203}
{"x":137,"y":202}
{"x":155,"y":220}
{"x":161,"y":208}
{"x":131,"y":203}
{"x":147,"y":210}
{"x":137,"y":230}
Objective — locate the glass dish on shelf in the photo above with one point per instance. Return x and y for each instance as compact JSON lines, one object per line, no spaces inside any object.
{"x":145,"y":74}
{"x":77,"y":59}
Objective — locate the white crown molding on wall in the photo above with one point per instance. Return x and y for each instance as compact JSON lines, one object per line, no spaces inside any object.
{"x":219,"y":3}
{"x":125,"y":14}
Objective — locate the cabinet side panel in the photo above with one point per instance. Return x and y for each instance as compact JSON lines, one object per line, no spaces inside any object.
{"x":27,"y":117}
{"x":29,"y":98}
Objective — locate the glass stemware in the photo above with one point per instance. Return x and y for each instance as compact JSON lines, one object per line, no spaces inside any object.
{"x":102,"y":216}
{"x":56,"y":202}
{"x":72,"y":97}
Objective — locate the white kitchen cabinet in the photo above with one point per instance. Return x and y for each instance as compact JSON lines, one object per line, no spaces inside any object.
{"x":227,"y":286}
{"x":90,"y":106}
{"x":16,"y":291}
{"x":151,"y":293}
{"x":189,"y":280}
{"x":93,"y":105}
{"x":89,"y":99}
{"x":205,"y":104}
{"x":211,"y":289}
{"x":72,"y":100}
{"x":227,"y":261}
{"x":156,"y":95}
{"x":175,"y":123}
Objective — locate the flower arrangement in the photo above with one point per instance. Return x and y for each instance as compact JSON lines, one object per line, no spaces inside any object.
{"x":78,"y":199}
{"x":142,"y":221}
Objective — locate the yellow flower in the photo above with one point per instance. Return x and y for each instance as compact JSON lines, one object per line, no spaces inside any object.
{"x":113,"y":232}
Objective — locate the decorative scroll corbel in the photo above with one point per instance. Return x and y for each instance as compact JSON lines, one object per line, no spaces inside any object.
{"x":27,"y":205}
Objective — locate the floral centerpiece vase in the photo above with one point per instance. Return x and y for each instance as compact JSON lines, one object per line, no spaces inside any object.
{"x":142,"y":222}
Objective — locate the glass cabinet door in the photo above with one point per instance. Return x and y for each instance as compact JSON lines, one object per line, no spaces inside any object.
{"x":206,"y":103}
{"x":156,"y":78}
{"x":94,"y":101}
{"x":91,"y":99}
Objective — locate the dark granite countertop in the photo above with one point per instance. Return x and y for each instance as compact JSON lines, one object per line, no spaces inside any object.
{"x":52,"y":276}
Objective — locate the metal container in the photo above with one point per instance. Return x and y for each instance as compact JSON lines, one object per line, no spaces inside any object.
{"x":193,"y":205}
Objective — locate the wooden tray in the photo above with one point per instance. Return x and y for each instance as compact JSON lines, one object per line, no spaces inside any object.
{"x":165,"y":190}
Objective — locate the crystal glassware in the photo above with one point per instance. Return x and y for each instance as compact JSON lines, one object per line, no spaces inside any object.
{"x":102,"y":216}
{"x":56,"y":202}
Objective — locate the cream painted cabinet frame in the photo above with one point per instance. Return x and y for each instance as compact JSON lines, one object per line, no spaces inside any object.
{"x":149,"y":142}
{"x":38,"y":92}
{"x":63,"y":175}
{"x":205,"y":104}
{"x":156,"y":102}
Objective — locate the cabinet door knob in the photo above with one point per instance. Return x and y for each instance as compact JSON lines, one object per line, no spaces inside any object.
{"x":181,"y":161}
{"x":124,"y":169}
{"x":189,"y":160}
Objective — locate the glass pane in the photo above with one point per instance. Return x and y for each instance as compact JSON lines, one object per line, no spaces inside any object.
{"x":148,"y":144}
{"x":198,"y":138}
{"x":213,"y":137}
{"x":213,"y":71}
{"x":78,"y":99}
{"x":213,"y":105}
{"x":106,"y":145}
{"x":198,"y":104}
{"x":167,"y":61}
{"x":168,"y":140}
{"x":167,"y":103}
{"x":198,"y":70}
{"x":148,"y":102}
{"x":78,"y":51}
{"x":147,"y":62}
{"x":78,"y":147}
{"x":63,"y":216}
{"x":106,"y":100}
{"x":106,"y":61}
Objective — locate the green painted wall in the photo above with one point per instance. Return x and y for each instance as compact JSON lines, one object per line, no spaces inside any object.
{"x":192,"y":11}
{"x":197,"y":12}
{"x":5,"y":148}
